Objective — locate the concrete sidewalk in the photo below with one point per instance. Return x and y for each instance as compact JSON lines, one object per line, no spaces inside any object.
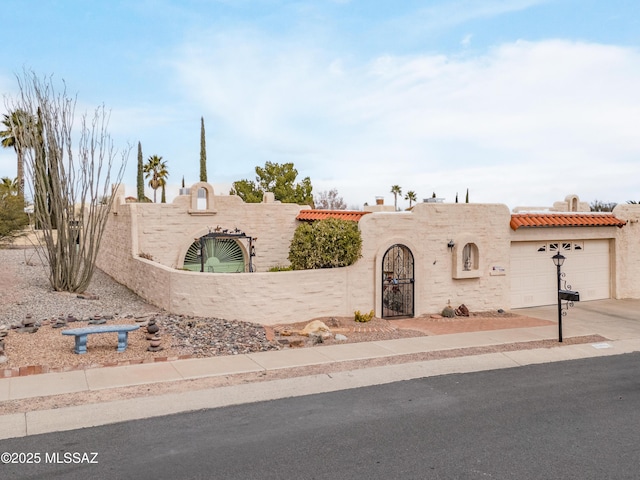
{"x":616,"y":320}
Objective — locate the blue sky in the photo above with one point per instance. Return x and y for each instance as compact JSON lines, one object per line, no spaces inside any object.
{"x":521,"y":101}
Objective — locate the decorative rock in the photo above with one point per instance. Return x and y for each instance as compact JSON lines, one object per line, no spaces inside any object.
{"x":154,"y":344}
{"x":97,"y":321}
{"x":315,"y":338}
{"x":340,"y":338}
{"x":448,"y":312}
{"x":28,"y":329}
{"x":333,"y":322}
{"x":3,"y":359}
{"x":88,"y":296}
{"x":59,"y":323}
{"x":500,"y":310}
{"x":28,"y":321}
{"x":314,"y":327}
{"x":152,"y":327}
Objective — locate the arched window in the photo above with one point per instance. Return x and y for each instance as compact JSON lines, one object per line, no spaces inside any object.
{"x":202,"y":199}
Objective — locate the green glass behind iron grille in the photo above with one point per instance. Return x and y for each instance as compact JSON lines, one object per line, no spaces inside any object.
{"x":220,"y":256}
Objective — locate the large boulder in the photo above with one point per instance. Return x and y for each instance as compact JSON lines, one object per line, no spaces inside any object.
{"x":314,"y":327}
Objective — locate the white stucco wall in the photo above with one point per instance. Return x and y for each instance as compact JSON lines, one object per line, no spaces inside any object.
{"x":165,"y":231}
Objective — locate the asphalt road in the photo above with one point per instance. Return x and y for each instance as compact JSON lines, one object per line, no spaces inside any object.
{"x":568,"y":420}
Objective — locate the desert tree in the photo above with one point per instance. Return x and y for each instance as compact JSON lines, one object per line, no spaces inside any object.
{"x":396,"y":190}
{"x":598,"y":206}
{"x":68,"y":182}
{"x":203,"y":153}
{"x":411,"y":196}
{"x":279,"y":179}
{"x":9,"y":186}
{"x":15,"y":125}
{"x":156,"y":171}
{"x":140,"y":176}
{"x":329,"y":200}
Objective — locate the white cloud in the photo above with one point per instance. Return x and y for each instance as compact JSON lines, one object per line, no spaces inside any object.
{"x":443,"y":15}
{"x":525,"y":123}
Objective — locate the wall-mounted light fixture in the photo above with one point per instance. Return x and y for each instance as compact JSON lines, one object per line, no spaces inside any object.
{"x":450,"y":245}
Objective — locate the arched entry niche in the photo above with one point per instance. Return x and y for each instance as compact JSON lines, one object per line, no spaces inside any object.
{"x":217,"y":255}
{"x":398,"y":282}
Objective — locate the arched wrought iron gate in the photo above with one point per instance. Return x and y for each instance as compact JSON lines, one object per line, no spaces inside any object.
{"x":397,"y":282}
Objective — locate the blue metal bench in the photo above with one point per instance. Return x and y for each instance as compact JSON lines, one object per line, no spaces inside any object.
{"x":82,"y":333}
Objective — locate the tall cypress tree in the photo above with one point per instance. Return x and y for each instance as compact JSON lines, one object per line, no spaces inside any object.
{"x":140,"y":175}
{"x":203,"y":153}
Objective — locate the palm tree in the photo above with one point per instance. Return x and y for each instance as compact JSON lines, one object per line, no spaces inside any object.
{"x":156,"y":171}
{"x":411,"y":196}
{"x":8,"y":186}
{"x":396,"y":190}
{"x":17,"y":125}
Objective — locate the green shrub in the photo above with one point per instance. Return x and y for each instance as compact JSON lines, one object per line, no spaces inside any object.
{"x":363,"y":317}
{"x":326,"y":243}
{"x":13,"y":220}
{"x":281,"y":268}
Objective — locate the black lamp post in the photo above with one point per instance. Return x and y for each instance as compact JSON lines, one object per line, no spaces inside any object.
{"x":558,"y":260}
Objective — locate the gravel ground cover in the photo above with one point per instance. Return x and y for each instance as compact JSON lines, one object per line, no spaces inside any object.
{"x":24,"y":289}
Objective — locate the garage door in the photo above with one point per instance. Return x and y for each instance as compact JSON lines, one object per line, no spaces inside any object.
{"x":533,"y":274}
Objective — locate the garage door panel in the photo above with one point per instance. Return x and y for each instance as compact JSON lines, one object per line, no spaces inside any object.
{"x":533,"y":274}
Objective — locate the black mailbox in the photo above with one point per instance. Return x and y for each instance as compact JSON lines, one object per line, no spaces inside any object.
{"x":569,"y":295}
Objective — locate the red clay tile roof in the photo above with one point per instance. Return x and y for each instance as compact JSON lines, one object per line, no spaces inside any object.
{"x":565,"y":220}
{"x":312,"y":215}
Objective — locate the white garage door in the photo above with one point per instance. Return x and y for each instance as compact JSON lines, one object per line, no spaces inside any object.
{"x":533,"y":274}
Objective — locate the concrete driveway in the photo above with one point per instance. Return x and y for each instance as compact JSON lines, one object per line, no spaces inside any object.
{"x":613,"y":319}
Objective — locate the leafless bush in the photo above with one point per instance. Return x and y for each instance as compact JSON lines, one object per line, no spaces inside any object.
{"x":70,"y":187}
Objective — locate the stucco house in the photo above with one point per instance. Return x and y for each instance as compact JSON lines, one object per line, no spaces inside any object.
{"x":413,"y":262}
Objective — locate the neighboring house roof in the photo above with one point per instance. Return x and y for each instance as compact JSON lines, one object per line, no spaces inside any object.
{"x":313,"y":215}
{"x":565,"y":220}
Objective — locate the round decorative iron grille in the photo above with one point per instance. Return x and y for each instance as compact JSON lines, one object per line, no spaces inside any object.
{"x":220,"y":256}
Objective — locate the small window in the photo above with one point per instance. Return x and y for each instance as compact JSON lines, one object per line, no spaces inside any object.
{"x":566,"y":246}
{"x":578,"y":246}
{"x":553,"y":247}
{"x":202,"y":199}
{"x":543,"y":248}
